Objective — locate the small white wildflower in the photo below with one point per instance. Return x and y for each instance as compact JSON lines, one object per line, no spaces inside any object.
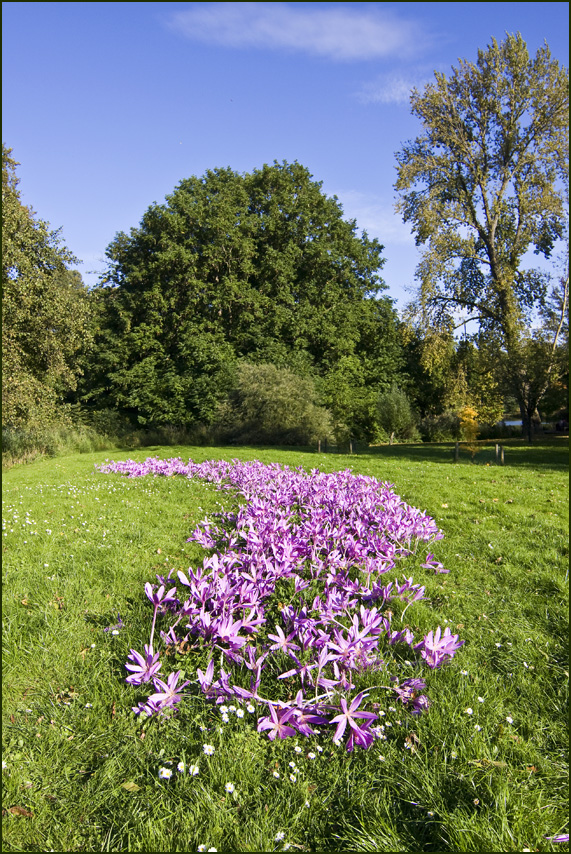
{"x":429,"y":812}
{"x":319,"y":748}
{"x":279,"y":836}
{"x":239,"y":713}
{"x":498,"y":645}
{"x":115,"y":632}
{"x":469,"y":711}
{"x":307,"y":804}
{"x":293,"y":778}
{"x":311,"y":755}
{"x":381,"y":714}
{"x":213,"y":849}
{"x":277,"y":775}
{"x":480,"y":699}
{"x":202,"y":847}
{"x":297,"y":748}
{"x":4,"y":764}
{"x":225,"y":718}
{"x":180,"y":767}
{"x":525,"y":664}
{"x":231,"y":708}
{"x":250,"y":708}
{"x":381,"y":758}
{"x":165,"y":774}
{"x":46,"y":565}
{"x":208,"y":749}
{"x":92,"y":646}
{"x":223,"y":710}
{"x":464,"y":672}
{"x":229,"y":787}
{"x":392,"y":709}
{"x":454,"y":755}
{"x":477,"y":727}
{"x":292,"y":765}
{"x":509,"y":719}
{"x":193,"y":770}
{"x":89,"y":705}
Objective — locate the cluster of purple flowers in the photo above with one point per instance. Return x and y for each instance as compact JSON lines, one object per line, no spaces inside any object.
{"x":330,"y":539}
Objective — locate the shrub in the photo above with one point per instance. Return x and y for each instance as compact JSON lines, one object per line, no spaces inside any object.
{"x":271,"y":405}
{"x":396,"y":415}
{"x":441,"y":428}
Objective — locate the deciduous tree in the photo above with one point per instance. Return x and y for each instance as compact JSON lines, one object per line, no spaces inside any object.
{"x":44,"y":312}
{"x":484,"y":184}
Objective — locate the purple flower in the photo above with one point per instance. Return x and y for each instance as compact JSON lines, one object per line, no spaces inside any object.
{"x":282,"y":642}
{"x":144,"y":668}
{"x":436,"y":649}
{"x":167,"y":695}
{"x":562,"y":837}
{"x":276,"y":723}
{"x":348,"y":715}
{"x":115,"y":628}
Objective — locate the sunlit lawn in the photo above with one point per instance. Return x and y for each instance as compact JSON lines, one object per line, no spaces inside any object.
{"x":81,"y":773}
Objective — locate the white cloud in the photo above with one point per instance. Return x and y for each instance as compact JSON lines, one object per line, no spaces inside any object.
{"x":376,"y":216}
{"x":393,"y":88}
{"x":335,"y":31}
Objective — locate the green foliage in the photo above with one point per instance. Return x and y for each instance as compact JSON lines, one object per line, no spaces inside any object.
{"x":261,"y":266}
{"x":484,"y":184}
{"x":271,"y":405}
{"x":444,"y":427}
{"x":21,"y":444}
{"x":44,"y":312}
{"x":396,"y":416}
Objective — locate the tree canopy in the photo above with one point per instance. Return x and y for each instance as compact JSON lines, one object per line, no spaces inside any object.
{"x":44,"y":312}
{"x":261,"y":266}
{"x":485,"y":183}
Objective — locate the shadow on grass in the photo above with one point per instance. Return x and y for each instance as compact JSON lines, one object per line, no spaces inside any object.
{"x":549,"y":452}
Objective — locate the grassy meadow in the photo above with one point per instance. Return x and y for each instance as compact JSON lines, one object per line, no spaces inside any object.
{"x":485,"y":769}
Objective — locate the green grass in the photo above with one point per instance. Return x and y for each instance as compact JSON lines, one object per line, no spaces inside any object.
{"x":72,"y":746}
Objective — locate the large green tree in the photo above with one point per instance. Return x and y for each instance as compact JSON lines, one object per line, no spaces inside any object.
{"x":260,"y":266}
{"x":44,"y":312}
{"x":484,"y":184}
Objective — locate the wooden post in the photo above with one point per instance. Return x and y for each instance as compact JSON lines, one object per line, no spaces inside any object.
{"x":457,"y":452}
{"x":319,"y":446}
{"x":391,"y":438}
{"x":502,"y":453}
{"x":497,"y":454}
{"x":350,"y":446}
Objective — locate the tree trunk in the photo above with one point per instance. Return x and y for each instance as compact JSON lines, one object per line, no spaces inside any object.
{"x":530,"y":421}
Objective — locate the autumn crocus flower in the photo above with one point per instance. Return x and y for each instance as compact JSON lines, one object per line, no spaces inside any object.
{"x":144,"y":667}
{"x":276,"y":723}
{"x":348,"y":715}
{"x":168,"y":696}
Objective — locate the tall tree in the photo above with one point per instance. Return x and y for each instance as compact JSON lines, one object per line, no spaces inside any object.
{"x":260,"y":266}
{"x":44,"y":312}
{"x":484,"y":184}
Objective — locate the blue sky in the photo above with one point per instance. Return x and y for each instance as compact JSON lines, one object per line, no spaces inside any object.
{"x":107,"y":106}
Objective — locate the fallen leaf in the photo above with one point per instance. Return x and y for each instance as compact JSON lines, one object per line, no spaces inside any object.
{"x":130,"y":787}
{"x":21,"y":811}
